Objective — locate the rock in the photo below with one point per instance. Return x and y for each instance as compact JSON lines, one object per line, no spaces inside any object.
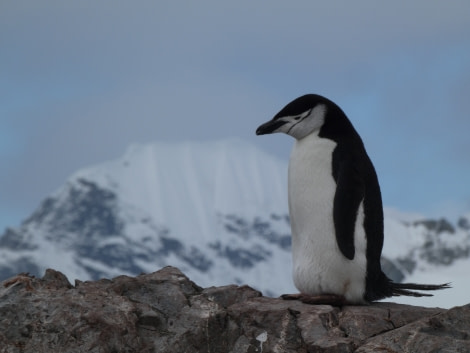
{"x":165,"y":312}
{"x":439,"y":226}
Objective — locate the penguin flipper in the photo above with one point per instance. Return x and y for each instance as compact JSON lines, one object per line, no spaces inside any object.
{"x":348,"y":197}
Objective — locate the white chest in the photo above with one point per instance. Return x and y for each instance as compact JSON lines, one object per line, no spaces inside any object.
{"x":319,"y":265}
{"x":311,"y":184}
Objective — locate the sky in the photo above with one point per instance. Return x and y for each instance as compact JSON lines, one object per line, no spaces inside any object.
{"x":82,"y":80}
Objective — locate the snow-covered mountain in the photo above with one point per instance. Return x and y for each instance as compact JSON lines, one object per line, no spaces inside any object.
{"x":216,"y":210}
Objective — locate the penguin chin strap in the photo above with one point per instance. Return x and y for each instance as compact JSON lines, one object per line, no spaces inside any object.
{"x":322,"y":299}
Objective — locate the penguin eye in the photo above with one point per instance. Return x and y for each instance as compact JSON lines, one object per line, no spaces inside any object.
{"x":297,"y":117}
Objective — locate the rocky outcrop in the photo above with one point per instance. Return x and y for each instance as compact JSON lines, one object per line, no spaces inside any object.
{"x":165,"y":312}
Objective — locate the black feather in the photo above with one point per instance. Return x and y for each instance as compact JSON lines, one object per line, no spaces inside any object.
{"x":408,"y":289}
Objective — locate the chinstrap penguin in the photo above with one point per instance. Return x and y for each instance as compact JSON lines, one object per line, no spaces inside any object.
{"x":335,"y":208}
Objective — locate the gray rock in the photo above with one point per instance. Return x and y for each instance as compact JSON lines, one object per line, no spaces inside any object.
{"x":165,"y":312}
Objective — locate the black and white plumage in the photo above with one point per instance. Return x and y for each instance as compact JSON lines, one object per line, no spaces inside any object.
{"x":335,"y":208}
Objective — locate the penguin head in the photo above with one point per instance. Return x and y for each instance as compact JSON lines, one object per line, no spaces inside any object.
{"x":299,"y":118}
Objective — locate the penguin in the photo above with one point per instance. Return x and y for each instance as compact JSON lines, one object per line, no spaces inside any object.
{"x":335,"y":208}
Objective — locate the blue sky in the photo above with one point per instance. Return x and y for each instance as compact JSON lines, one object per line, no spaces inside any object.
{"x":80,"y":81}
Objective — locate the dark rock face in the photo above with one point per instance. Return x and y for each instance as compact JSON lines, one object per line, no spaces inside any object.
{"x":439,"y":226}
{"x":259,"y":228}
{"x":165,"y":312}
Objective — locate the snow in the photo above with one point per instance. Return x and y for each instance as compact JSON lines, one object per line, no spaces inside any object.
{"x":401,"y":238}
{"x":398,"y":237}
{"x":187,"y":184}
{"x":457,"y":275}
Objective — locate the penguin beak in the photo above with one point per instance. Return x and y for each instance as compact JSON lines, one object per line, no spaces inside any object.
{"x":270,"y":127}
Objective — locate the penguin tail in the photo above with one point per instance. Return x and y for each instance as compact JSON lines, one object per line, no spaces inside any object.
{"x":409,"y":289}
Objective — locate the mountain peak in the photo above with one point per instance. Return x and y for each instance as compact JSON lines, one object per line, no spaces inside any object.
{"x":210,"y":207}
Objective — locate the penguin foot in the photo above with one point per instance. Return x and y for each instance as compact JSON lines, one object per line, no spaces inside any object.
{"x":322,"y":299}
